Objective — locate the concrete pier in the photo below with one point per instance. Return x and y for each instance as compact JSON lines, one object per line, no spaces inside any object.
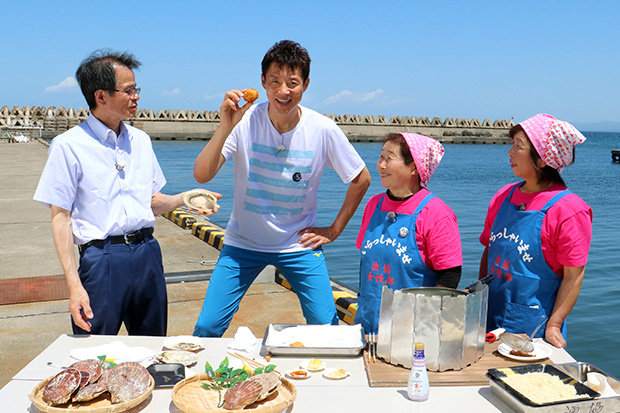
{"x":168,"y":124}
{"x":29,"y":265}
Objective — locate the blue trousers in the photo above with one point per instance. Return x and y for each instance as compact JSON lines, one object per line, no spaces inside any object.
{"x":237,"y":268}
{"x":125,"y":283}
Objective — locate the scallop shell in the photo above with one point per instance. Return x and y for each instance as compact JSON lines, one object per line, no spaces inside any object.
{"x":242,"y":394}
{"x":269,"y":382}
{"x":200,"y":200}
{"x":90,"y":366}
{"x":90,"y":391}
{"x":127,"y":381}
{"x":60,"y":387}
{"x":183,"y":343}
{"x":104,"y":375}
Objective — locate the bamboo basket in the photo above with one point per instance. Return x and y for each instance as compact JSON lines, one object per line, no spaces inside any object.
{"x":190,"y":397}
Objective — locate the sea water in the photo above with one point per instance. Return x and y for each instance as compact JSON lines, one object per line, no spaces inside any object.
{"x":466,"y":179}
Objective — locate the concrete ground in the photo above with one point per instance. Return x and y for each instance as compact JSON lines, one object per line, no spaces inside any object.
{"x":26,"y":250}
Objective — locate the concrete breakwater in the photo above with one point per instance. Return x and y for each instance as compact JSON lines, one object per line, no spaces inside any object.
{"x":169,"y":124}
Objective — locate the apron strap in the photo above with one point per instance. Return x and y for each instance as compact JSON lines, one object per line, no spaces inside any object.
{"x":555,"y":199}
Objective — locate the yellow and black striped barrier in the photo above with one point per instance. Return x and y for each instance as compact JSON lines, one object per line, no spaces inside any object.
{"x":210,"y":234}
{"x":346,"y":302}
{"x":181,"y":218}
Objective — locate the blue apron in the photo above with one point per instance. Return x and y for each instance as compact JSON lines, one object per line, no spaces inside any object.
{"x":524,"y":287}
{"x":390,"y":256}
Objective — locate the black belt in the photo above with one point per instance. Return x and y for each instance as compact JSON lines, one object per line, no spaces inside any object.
{"x":129,"y":238}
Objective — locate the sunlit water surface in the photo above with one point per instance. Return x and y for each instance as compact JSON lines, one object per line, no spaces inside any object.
{"x":466,"y":179}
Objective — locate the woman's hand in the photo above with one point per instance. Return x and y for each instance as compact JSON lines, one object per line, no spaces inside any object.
{"x":553,"y":335}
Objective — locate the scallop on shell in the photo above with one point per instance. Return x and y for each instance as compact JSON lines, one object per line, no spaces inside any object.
{"x":60,"y":387}
{"x":90,"y":392}
{"x":254,"y":389}
{"x":200,"y":200}
{"x":269,"y":381}
{"x":90,"y":366}
{"x":187,"y":358}
{"x":183,"y":343}
{"x":127,"y":381}
{"x":242,"y":394}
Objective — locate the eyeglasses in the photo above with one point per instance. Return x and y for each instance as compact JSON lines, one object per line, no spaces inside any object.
{"x":130,"y":92}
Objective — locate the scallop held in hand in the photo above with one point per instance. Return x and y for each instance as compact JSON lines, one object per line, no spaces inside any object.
{"x":200,"y":201}
{"x":250,"y":95}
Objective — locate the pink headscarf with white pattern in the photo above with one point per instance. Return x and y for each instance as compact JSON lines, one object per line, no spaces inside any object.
{"x":553,"y":139}
{"x":426,"y":153}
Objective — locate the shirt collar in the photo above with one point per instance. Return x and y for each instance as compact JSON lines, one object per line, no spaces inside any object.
{"x":102,"y":132}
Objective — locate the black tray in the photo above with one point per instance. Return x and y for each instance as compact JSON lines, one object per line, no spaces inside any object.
{"x":166,"y":375}
{"x":497,"y":375}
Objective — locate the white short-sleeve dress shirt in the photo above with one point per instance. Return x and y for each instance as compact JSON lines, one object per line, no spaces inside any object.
{"x":106,"y":182}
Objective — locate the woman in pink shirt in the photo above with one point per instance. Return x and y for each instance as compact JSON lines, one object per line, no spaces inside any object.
{"x":537,"y":234}
{"x":409,"y":237}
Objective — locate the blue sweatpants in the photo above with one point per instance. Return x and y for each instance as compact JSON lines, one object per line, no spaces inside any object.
{"x":237,"y":268}
{"x":125,"y":283}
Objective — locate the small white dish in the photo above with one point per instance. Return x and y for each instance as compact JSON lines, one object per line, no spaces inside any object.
{"x":313,"y":365}
{"x":336,"y":374}
{"x":540,"y":352}
{"x":298,"y":374}
{"x":183,"y":343}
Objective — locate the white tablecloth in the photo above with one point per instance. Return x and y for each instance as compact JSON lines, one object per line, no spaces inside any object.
{"x":315,"y":394}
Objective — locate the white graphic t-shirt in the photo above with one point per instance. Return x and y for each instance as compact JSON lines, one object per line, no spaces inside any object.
{"x":277,"y":177}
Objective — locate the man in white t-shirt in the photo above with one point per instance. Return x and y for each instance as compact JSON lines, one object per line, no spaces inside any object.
{"x":280,"y":150}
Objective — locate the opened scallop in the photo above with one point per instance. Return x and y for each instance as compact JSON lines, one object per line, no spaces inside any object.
{"x":200,"y":200}
{"x":187,"y":358}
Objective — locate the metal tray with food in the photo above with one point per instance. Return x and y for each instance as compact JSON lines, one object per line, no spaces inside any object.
{"x":314,"y":340}
{"x":542,"y":388}
{"x":584,"y":371}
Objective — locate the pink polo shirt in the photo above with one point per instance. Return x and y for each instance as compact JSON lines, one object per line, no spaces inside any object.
{"x":566,"y":231}
{"x":437,"y":232}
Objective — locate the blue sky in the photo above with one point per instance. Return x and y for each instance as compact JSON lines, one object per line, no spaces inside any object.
{"x":470,"y":59}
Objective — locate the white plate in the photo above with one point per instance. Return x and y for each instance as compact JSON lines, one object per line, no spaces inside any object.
{"x":288,"y":374}
{"x":540,"y":352}
{"x":183,"y":343}
{"x":305,"y":365}
{"x":332,"y":374}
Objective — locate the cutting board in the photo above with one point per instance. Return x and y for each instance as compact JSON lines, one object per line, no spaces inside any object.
{"x":382,"y":374}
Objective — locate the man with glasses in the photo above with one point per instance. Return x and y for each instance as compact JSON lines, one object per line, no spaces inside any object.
{"x":102,"y":182}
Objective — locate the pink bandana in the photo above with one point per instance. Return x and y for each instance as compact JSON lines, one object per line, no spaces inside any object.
{"x":553,"y":139}
{"x":426,"y":152}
